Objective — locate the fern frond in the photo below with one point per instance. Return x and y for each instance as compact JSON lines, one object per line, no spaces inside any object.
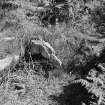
{"x":98,"y":81}
{"x":82,"y":81}
{"x":90,"y":86}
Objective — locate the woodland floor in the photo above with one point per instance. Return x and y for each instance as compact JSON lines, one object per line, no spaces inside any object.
{"x":37,"y":89}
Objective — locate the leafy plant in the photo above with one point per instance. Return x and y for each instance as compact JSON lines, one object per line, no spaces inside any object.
{"x":55,"y":11}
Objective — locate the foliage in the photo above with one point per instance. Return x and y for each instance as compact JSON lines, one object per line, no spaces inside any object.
{"x":53,"y":12}
{"x":74,"y":28}
{"x":98,"y":20}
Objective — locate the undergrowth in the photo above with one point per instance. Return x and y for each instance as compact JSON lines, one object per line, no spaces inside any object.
{"x":75,"y":29}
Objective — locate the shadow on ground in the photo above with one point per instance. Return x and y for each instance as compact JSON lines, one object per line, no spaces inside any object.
{"x":74,"y":94}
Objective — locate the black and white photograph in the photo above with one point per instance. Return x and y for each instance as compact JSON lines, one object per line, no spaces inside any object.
{"x":52,"y":52}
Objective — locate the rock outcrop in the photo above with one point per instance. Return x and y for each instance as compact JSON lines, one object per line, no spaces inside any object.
{"x":38,"y":49}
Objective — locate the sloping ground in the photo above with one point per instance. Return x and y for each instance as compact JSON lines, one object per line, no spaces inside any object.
{"x":22,"y":85}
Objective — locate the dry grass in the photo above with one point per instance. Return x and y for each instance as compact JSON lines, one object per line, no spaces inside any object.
{"x":23,"y":84}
